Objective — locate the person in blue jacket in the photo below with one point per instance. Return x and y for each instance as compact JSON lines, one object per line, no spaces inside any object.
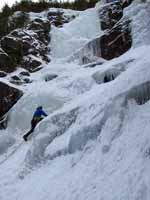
{"x":37,"y":117}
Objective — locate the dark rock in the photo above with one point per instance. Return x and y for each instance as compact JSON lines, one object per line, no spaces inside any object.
{"x":27,"y":80}
{"x":25,"y":73}
{"x":35,"y":26}
{"x":46,"y":58}
{"x":17,"y":47}
{"x":126,"y":3}
{"x":30,"y":64}
{"x":50,"y":77}
{"x":19,"y":80}
{"x":53,"y":13}
{"x":46,"y":26}
{"x":10,"y":44}
{"x":110,"y":15}
{"x":43,"y":37}
{"x":26,"y":47}
{"x":21,"y":43}
{"x":42,"y":29}
{"x":23,"y":35}
{"x":117,"y":41}
{"x":2,"y":74}
{"x":6,"y":63}
{"x":16,"y":80}
{"x":8,"y":97}
{"x":58,"y":18}
{"x":3,"y":122}
{"x":13,"y":47}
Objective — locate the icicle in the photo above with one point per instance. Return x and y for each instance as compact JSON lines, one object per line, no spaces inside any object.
{"x":106,"y":76}
{"x":140,"y":93}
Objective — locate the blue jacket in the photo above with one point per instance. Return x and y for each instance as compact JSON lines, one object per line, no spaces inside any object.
{"x":39,"y":112}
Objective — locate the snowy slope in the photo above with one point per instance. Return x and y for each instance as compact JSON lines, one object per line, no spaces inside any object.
{"x":95,"y":143}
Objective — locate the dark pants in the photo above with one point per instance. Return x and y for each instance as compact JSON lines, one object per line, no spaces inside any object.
{"x":34,"y":122}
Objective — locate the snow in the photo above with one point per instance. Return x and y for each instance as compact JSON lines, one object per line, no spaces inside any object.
{"x":95,"y":142}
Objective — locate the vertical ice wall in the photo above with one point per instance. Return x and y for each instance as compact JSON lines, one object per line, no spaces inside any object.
{"x":67,"y":40}
{"x":140,"y":29}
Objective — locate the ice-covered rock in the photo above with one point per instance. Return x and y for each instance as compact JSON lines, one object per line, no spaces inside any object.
{"x":110,"y":14}
{"x":31,"y":63}
{"x":58,"y":17}
{"x":41,"y":28}
{"x":114,"y":41}
{"x":20,"y":43}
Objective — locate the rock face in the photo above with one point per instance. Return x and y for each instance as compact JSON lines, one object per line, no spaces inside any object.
{"x":8,"y":97}
{"x":116,"y":39}
{"x":20,"y":44}
{"x":41,"y":28}
{"x":58,"y":17}
{"x":12,"y":46}
{"x":6,"y":63}
{"x":26,"y":45}
{"x":110,"y":15}
{"x":31,"y":63}
{"x":117,"y":36}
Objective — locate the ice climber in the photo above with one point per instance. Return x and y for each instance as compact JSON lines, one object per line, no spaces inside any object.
{"x":37,"y":117}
